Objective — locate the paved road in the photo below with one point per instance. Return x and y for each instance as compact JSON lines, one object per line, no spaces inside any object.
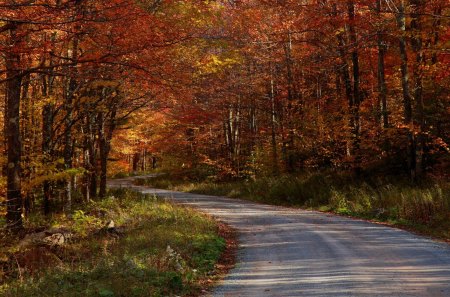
{"x":291,"y":252}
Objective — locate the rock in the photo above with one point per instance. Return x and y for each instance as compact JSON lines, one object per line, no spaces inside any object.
{"x":32,"y":239}
{"x":113,"y":230}
{"x":131,"y":264}
{"x":110,"y":225}
{"x":56,"y":239}
{"x":51,"y":237}
{"x":379,"y":212}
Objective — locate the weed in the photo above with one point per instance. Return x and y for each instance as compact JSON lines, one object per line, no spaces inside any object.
{"x":165,"y":250}
{"x":425,"y":207}
{"x":84,"y":224}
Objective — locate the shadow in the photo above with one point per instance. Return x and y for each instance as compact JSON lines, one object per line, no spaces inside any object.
{"x":290,"y":252}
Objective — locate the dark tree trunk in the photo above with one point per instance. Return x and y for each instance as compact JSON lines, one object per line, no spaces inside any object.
{"x":292,"y":94}
{"x":136,"y":160}
{"x":417,"y":44}
{"x":275,"y":169}
{"x":154,"y":163}
{"x":92,"y":159}
{"x":229,"y":133}
{"x":26,"y":133}
{"x":355,"y":107}
{"x":106,"y":130}
{"x":382,"y":89}
{"x":68,"y":107}
{"x":47,"y":129}
{"x":12,"y":133}
{"x":103,"y":154}
{"x":407,"y":100}
{"x":144,"y":160}
{"x":89,"y":154}
{"x":47,"y":136}
{"x":345,"y":74}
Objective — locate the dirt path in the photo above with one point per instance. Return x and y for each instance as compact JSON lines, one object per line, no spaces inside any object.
{"x":290,"y":252}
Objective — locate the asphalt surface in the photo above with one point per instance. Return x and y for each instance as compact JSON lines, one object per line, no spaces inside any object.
{"x":291,"y":252}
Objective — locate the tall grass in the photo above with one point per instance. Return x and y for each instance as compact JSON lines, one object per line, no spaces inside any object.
{"x":386,"y":199}
{"x":163,"y":250}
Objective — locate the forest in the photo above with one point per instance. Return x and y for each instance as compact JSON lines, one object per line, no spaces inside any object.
{"x":224,"y":91}
{"x":244,"y":88}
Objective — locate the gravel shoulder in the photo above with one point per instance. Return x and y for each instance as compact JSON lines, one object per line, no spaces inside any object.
{"x":291,"y":252}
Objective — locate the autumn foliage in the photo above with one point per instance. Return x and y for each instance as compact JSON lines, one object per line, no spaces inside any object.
{"x":280,"y":86}
{"x":247,"y":88}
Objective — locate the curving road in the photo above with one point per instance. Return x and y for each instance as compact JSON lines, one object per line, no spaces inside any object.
{"x":291,"y":252}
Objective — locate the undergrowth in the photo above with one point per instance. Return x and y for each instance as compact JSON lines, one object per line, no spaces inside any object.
{"x":163,"y":250}
{"x":424,"y":208}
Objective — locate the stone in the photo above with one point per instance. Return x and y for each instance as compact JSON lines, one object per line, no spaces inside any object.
{"x":52,"y":237}
{"x":113,"y":230}
{"x":110,"y":225}
{"x":56,"y":239}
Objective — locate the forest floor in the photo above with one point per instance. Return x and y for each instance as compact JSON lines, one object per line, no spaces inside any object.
{"x":129,"y":244}
{"x":293,"y":252}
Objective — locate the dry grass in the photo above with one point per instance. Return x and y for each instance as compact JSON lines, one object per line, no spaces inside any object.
{"x":165,"y":250}
{"x":424,"y":208}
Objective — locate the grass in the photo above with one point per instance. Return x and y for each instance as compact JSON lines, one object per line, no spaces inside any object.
{"x":424,"y":209}
{"x":165,"y":250}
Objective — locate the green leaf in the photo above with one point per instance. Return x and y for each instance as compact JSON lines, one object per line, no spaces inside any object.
{"x":106,"y":293}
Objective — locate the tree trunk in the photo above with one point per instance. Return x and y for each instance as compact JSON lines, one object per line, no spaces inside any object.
{"x":106,"y":130}
{"x":92,"y":159}
{"x":407,"y":100}
{"x":345,"y":74}
{"x":68,"y":106}
{"x":26,"y":133}
{"x":382,"y":89}
{"x":47,"y":136}
{"x":417,"y":44}
{"x":275,"y":169}
{"x":237,"y":137}
{"x":12,"y":133}
{"x":47,"y":128}
{"x":144,"y":160}
{"x":355,"y":108}
{"x":289,"y":144}
{"x":90,"y":178}
{"x":438,"y":105}
{"x":103,"y":154}
{"x":154,"y":163}
{"x":136,"y":160}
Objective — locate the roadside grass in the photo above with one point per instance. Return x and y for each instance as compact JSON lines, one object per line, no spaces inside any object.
{"x":421,"y":208}
{"x":161,"y":250}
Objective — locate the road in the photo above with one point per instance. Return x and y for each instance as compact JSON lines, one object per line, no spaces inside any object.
{"x":291,"y":252}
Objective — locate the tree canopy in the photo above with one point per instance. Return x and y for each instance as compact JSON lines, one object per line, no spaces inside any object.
{"x":248,"y":88}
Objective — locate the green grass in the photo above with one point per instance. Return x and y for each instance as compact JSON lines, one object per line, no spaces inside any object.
{"x":166,"y":250}
{"x":424,"y":208}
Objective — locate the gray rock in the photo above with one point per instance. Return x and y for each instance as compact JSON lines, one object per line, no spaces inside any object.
{"x":110,"y":225}
{"x":56,"y":239}
{"x":111,"y":229}
{"x":52,"y":237}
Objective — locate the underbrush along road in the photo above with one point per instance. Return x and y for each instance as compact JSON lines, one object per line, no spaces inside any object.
{"x":291,"y":252}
